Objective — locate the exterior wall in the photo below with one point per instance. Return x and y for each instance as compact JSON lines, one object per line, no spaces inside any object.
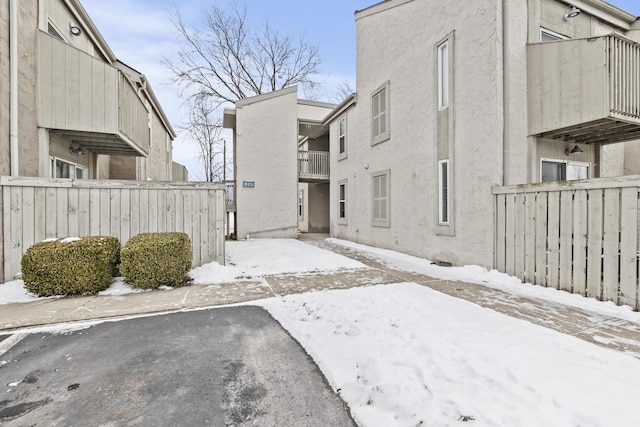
{"x":410,"y":153}
{"x":5,"y":167}
{"x":318,"y":208}
{"x":179,"y":172}
{"x":159,"y":160}
{"x":28,"y":157}
{"x":266,"y":154}
{"x":123,"y":167}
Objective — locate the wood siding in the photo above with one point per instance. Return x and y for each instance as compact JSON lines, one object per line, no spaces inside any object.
{"x":576,"y":236}
{"x":77,"y":92}
{"x":35,"y":209}
{"x":585,"y":90}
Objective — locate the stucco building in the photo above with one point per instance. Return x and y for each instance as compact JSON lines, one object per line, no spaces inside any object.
{"x":281,"y":164}
{"x":454,"y":99}
{"x":68,"y":107}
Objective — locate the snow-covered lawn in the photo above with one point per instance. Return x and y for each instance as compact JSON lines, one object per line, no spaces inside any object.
{"x":406,"y":355}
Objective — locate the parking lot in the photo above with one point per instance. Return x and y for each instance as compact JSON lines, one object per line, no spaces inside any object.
{"x":229,"y":366}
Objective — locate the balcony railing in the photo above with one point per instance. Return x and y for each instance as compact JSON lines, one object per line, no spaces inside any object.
{"x":313,"y":166}
{"x":86,"y":100}
{"x":585,"y":90}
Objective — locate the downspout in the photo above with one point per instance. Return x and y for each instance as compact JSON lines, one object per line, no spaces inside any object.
{"x":506,"y":111}
{"x":13,"y":77}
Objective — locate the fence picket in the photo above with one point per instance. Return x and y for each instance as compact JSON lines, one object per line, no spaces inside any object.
{"x":119,"y":208}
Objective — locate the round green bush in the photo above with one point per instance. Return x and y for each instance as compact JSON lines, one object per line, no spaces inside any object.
{"x":150,"y":260}
{"x":70,"y":266}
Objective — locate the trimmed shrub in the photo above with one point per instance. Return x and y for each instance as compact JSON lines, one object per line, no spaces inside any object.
{"x":70,"y":266}
{"x":149,"y":260}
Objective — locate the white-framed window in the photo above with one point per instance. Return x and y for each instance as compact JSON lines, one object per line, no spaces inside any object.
{"x":380,"y":197}
{"x":443,"y":192}
{"x":563,"y":170}
{"x":443,"y":75}
{"x":342,"y":138}
{"x":64,"y":169}
{"x":301,"y":204}
{"x":380,"y":114}
{"x":550,"y":36}
{"x":342,"y":202}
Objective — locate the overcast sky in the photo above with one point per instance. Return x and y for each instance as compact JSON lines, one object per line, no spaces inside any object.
{"x":140,"y":34}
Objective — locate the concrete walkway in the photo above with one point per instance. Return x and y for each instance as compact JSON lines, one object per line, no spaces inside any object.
{"x":607,"y":331}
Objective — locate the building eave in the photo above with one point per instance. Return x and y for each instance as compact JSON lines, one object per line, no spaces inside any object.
{"x":349,"y":102}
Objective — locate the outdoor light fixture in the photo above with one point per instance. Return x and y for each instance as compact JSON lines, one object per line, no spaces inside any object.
{"x":76,"y":150}
{"x":572,"y":13}
{"x":75,"y":30}
{"x":574,"y":150}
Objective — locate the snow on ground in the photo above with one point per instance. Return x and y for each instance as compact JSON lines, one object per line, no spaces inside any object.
{"x":246,"y":259}
{"x":262,"y":257}
{"x":406,"y":355}
{"x":489,"y":278}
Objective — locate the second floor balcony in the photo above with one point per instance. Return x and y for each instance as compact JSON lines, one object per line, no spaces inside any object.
{"x":89,"y":102}
{"x":313,"y":166}
{"x":585,"y":90}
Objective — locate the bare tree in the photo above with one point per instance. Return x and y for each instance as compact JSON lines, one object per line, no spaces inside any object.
{"x":206,"y":131}
{"x":344,"y":89}
{"x":227,"y":60}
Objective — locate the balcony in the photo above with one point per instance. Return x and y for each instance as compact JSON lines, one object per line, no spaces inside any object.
{"x":313,"y":166}
{"x":88,"y":102}
{"x":585,"y":90}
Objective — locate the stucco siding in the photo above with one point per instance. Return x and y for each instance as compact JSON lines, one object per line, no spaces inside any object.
{"x":4,"y":89}
{"x":398,"y":46}
{"x":266,"y":155}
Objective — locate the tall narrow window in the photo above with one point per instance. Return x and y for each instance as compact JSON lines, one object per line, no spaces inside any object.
{"x":342,"y":138}
{"x":380,"y":208}
{"x":443,"y":75}
{"x":380,"y":114}
{"x":443,"y":197}
{"x":301,"y":204}
{"x":342,"y":202}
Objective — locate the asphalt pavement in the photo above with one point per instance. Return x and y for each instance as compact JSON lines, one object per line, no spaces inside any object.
{"x":232,"y":366}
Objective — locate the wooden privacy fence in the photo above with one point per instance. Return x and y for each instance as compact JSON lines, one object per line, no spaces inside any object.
{"x":577,"y":236}
{"x":35,"y":209}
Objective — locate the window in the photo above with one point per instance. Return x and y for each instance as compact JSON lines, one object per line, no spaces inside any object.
{"x":342,"y":202}
{"x":560,"y":170}
{"x":63,"y":169}
{"x":301,"y":204}
{"x":380,"y":209}
{"x":380,"y":114}
{"x":443,"y":192}
{"x":443,"y":75}
{"x":550,"y":36}
{"x":342,"y":138}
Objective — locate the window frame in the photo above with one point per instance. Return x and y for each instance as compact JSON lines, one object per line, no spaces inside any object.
{"x":386,"y":199}
{"x":301,"y":204}
{"x":342,"y":202}
{"x":566,"y":163}
{"x":551,"y":34}
{"x":342,"y":137}
{"x":377,"y":138}
{"x":443,"y":68}
{"x":444,"y":192}
{"x":53,"y":169}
